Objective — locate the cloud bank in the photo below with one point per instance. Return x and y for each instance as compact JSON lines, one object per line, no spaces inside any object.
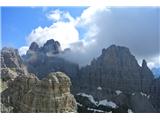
{"x":136,"y":28}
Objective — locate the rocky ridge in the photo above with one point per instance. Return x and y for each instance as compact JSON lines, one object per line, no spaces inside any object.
{"x":116,"y":69}
{"x":43,"y":60}
{"x":114,"y":77}
{"x":24,"y":92}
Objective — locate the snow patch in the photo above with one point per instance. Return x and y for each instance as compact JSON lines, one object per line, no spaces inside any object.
{"x":130,"y":111}
{"x":133,"y":93}
{"x":118,"y":92}
{"x":95,"y":110}
{"x":108,"y":103}
{"x":99,"y":88}
{"x":144,"y":94}
{"x":90,"y":97}
{"x":79,"y":104}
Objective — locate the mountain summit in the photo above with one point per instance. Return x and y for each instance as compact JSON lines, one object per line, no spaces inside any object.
{"x":116,"y":68}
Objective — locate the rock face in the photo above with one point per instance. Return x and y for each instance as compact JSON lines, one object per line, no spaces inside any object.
{"x":24,"y":92}
{"x":141,"y":104}
{"x":13,"y":95}
{"x":116,"y":69}
{"x":10,"y":59}
{"x":113,"y":82}
{"x":11,"y":67}
{"x":146,"y":78}
{"x":50,"y":95}
{"x":51,"y":46}
{"x":34,"y":47}
{"x":155,"y":94}
{"x":41,"y":61}
{"x":29,"y":94}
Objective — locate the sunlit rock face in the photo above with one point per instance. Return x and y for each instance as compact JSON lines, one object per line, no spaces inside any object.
{"x":22,"y":91}
{"x":10,"y":58}
{"x":29,"y":94}
{"x":52,"y":94}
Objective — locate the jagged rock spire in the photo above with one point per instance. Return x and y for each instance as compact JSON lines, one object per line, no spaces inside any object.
{"x":34,"y":46}
{"x":52,"y":46}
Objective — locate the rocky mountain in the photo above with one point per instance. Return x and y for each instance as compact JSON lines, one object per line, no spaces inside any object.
{"x":116,"y":69}
{"x":113,"y":82}
{"x":155,"y":94}
{"x":11,"y":66}
{"x":43,"y":60}
{"x":10,"y":59}
{"x":24,"y":92}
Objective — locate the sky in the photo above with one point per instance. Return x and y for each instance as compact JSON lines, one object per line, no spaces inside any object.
{"x":86,"y":30}
{"x":18,"y":22}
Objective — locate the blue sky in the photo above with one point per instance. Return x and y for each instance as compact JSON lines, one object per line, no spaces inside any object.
{"x":18,"y":22}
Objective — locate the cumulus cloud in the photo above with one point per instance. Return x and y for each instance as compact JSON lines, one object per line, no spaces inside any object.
{"x":63,"y":32}
{"x":135,"y":28}
{"x":23,"y":50}
{"x":57,"y":15}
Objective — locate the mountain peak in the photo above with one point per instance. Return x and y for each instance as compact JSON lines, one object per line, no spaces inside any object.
{"x":52,"y":46}
{"x":10,"y":58}
{"x":115,"y":49}
{"x":144,"y":63}
{"x":34,"y":46}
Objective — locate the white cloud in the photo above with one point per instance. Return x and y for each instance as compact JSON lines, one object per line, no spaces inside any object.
{"x":57,"y":15}
{"x":89,"y":15}
{"x":62,"y":30}
{"x":154,"y":62}
{"x":23,"y":50}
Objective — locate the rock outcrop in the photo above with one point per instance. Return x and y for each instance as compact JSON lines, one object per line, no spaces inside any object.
{"x":22,"y":91}
{"x":13,"y":95}
{"x":116,"y":69}
{"x":11,"y":67}
{"x":155,"y":94}
{"x":147,"y":78}
{"x":29,"y":94}
{"x":113,"y":82}
{"x":43,"y":60}
{"x":10,"y":59}
{"x":51,"y":94}
{"x":52,"y":47}
{"x":141,"y":104}
{"x":11,"y":62}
